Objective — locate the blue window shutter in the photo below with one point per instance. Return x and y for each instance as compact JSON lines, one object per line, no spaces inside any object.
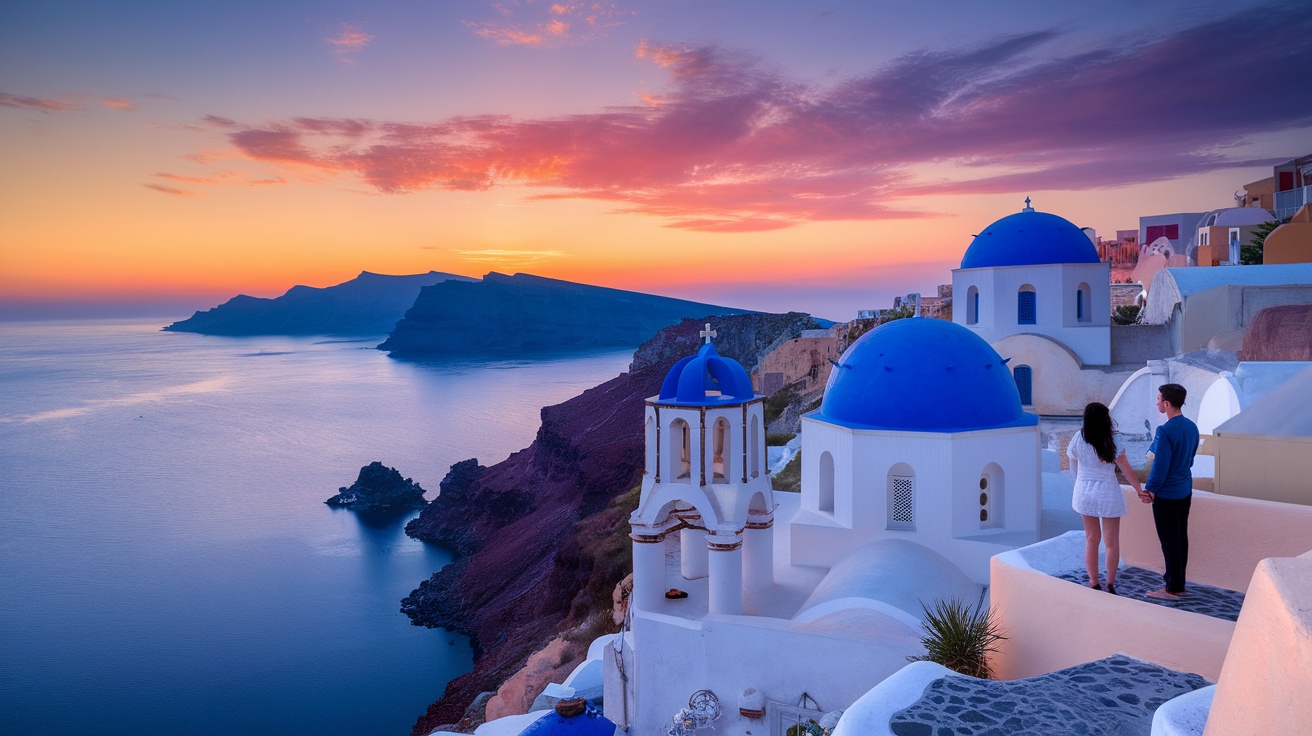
{"x":975,"y":308}
{"x":1079,"y":305}
{"x":1025,"y":384}
{"x":1025,"y":311}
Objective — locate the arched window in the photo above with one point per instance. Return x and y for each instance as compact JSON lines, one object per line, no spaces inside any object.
{"x":1024,"y":376}
{"x":680,"y":451}
{"x":723,"y":451}
{"x":972,"y":305}
{"x":826,"y":483}
{"x":1026,"y":306}
{"x":990,"y":497}
{"x":902,"y":497}
{"x":652,"y":448}
{"x":756,"y":447}
{"x":1083,"y":307}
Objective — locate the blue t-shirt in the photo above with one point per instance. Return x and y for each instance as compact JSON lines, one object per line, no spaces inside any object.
{"x":1173,"y":451}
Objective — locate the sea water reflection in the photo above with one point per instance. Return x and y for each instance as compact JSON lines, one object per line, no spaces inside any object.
{"x":167,"y":563}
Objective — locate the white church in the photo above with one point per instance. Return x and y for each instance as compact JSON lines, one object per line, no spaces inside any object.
{"x":919,"y":465}
{"x":1032,"y":286}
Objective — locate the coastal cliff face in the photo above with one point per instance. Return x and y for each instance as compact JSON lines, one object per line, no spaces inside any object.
{"x":524,"y":313}
{"x":541,"y":539}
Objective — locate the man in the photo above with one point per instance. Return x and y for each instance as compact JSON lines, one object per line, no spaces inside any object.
{"x":1170,"y":488}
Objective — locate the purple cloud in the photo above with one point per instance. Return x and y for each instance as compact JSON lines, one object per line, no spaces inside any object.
{"x":35,"y":103}
{"x":734,"y":145}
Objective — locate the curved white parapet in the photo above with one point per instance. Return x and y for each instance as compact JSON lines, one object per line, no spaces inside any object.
{"x":1184,"y":715}
{"x":872,"y":712}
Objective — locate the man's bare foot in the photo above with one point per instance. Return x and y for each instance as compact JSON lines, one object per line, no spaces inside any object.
{"x":1162,"y":595}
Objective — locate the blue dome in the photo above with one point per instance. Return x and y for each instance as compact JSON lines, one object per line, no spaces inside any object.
{"x":922,"y":375}
{"x":588,"y":723}
{"x":696,"y":379}
{"x":1029,"y":238}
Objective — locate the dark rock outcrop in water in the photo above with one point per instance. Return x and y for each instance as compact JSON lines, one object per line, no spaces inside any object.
{"x":379,"y":488}
{"x":526,"y":529}
{"x":369,"y":304}
{"x":530,"y":314}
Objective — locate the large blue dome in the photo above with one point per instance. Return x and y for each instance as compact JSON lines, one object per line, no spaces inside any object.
{"x":589,"y":723}
{"x":922,"y":375}
{"x":706,"y":379}
{"x":1029,"y":238}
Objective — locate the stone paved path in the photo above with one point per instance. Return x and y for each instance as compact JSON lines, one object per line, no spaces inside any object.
{"x":1115,"y":696}
{"x":1134,"y":582}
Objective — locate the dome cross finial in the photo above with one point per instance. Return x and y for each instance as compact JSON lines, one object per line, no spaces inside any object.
{"x":708,"y":333}
{"x":1028,"y":208}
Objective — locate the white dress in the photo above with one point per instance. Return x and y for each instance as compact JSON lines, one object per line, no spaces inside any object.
{"x":1097,"y":491}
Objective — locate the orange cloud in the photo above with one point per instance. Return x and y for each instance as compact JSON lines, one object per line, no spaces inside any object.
{"x":513,"y":259}
{"x":661,"y":55}
{"x":118,"y":103}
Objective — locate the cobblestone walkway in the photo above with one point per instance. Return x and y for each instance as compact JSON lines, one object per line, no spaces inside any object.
{"x":1115,"y":696}
{"x":1134,"y":582}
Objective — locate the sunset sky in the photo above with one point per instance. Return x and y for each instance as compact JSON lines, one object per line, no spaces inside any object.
{"x":815,"y":156}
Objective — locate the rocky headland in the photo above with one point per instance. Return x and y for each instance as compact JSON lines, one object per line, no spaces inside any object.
{"x":522,"y":313}
{"x":379,"y":488}
{"x":369,"y":304}
{"x":542,"y":537}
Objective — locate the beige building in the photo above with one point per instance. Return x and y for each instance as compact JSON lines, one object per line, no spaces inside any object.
{"x":1292,"y":241}
{"x":1265,"y":451}
{"x":802,"y":359}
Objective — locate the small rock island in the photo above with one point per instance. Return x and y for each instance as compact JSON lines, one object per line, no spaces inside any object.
{"x":379,"y":488}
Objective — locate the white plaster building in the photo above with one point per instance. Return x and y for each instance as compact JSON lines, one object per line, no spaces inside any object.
{"x":920,"y":437}
{"x":1031,"y":285}
{"x":1035,"y":273}
{"x":918,"y":466}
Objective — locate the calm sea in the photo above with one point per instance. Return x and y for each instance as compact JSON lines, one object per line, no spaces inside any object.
{"x":167,"y":564}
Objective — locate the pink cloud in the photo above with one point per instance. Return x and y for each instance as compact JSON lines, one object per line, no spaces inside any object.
{"x":350,"y":39}
{"x":734,"y":145}
{"x":118,"y":103}
{"x":530,"y":24}
{"x":35,"y":103}
{"x":171,"y":190}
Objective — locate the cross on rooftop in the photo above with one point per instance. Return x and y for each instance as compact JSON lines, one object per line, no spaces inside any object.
{"x":708,"y":333}
{"x":1028,"y":208}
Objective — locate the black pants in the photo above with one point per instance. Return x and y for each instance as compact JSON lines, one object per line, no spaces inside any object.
{"x":1171,"y":516}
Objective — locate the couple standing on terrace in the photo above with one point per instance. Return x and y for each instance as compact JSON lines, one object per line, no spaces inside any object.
{"x":1098,"y":499}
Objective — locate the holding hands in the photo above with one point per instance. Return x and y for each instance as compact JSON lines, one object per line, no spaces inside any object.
{"x":1145,"y":496}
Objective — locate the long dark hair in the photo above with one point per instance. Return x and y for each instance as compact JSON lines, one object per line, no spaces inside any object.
{"x":1097,"y":431}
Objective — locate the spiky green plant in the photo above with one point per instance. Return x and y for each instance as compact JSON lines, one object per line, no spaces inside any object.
{"x":960,"y":637}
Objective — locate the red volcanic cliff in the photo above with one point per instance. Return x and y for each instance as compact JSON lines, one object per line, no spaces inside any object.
{"x":525,"y":529}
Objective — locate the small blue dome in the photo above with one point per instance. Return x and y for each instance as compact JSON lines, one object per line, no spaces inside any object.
{"x":1029,"y":238}
{"x":696,"y":379}
{"x":588,"y":723}
{"x":922,"y":375}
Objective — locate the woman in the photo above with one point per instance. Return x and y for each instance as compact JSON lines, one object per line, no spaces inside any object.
{"x":1097,"y":495}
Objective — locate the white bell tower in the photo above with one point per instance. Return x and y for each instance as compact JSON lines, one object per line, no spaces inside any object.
{"x":705,"y":480}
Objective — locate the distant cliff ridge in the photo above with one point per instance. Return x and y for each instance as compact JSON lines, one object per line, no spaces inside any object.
{"x":369,"y":304}
{"x":523,"y":313}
